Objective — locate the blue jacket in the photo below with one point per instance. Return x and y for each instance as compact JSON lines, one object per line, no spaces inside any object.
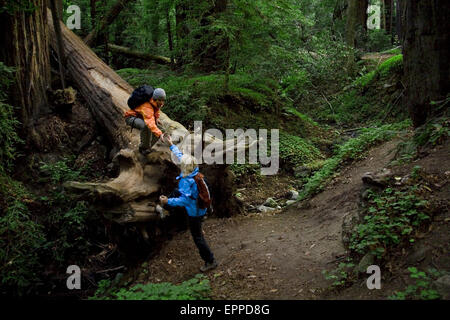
{"x":188,"y":189}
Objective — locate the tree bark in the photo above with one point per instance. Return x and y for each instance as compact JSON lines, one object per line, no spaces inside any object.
{"x":387,"y":15}
{"x":25,"y":40}
{"x":426,"y":52}
{"x":106,"y":21}
{"x":138,"y":54}
{"x":60,"y":51}
{"x":93,"y":8}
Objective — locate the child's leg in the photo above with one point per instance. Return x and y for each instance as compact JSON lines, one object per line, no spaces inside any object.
{"x":146,"y":135}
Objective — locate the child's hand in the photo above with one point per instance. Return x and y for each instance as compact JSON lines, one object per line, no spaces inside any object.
{"x":163,"y":199}
{"x":168,"y":139}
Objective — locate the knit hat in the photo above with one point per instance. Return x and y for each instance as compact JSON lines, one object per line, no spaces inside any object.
{"x":159,"y":94}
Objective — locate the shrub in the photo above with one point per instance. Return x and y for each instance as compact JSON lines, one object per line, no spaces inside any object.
{"x":8,"y":123}
{"x":353,"y":149}
{"x":197,"y":288}
{"x":60,"y":171}
{"x":434,"y":132}
{"x":342,"y":275}
{"x":391,"y":219}
{"x":296,"y":151}
{"x":296,"y":84}
{"x":378,"y":40}
{"x":421,"y":290}
{"x":22,"y":241}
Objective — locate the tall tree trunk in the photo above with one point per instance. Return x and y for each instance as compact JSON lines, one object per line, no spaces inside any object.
{"x":25,"y":45}
{"x":93,"y":8}
{"x":154,"y":22}
{"x":60,"y":51}
{"x":182,"y":30}
{"x":207,"y":49}
{"x":356,"y":27}
{"x":399,"y":20}
{"x":106,"y":21}
{"x":426,"y":51}
{"x":212,"y":52}
{"x":387,"y":12}
{"x":169,"y":36}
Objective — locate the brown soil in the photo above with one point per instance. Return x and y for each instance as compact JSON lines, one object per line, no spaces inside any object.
{"x":281,"y":255}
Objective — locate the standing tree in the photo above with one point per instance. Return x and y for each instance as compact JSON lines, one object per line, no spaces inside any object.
{"x":25,"y":46}
{"x":356,"y":27}
{"x":426,"y":31}
{"x":108,"y":18}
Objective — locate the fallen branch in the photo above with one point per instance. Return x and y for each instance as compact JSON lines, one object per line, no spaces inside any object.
{"x":109,"y":270}
{"x":139,"y":54}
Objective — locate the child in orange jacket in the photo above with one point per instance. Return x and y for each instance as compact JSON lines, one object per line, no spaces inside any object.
{"x":145,"y":118}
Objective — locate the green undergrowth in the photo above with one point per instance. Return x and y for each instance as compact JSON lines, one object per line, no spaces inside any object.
{"x":392,"y":218}
{"x":342,"y":275}
{"x":421,"y":289}
{"x":295,"y":151}
{"x":373,"y":98}
{"x":249,"y":102}
{"x":40,"y":227}
{"x":384,"y":70}
{"x":197,"y":288}
{"x":201,"y":97}
{"x":434,"y":132}
{"x":351,"y":150}
{"x":22,"y":240}
{"x":9,"y":139}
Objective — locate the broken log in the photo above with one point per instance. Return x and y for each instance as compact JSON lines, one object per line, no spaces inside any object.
{"x":138,"y":54}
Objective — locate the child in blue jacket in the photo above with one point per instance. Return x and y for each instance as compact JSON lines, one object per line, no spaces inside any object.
{"x":187,"y":197}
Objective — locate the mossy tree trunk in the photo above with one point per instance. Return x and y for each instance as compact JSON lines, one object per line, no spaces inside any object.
{"x":426,"y":51}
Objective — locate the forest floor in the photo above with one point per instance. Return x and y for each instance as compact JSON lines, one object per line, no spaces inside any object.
{"x":282,"y":255}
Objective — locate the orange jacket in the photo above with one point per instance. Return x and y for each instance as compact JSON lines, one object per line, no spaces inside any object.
{"x":149,"y":113}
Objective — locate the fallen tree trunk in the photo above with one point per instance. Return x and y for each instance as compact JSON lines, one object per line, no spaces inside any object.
{"x":138,"y":54}
{"x":132,"y":196}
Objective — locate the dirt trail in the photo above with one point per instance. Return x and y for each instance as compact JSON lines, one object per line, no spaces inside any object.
{"x":273,"y":256}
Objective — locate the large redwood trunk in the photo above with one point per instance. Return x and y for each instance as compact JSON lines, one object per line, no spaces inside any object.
{"x":24,"y":45}
{"x":426,"y":55}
